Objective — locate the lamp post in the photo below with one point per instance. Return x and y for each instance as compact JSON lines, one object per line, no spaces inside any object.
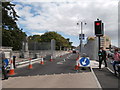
{"x":81,"y":36}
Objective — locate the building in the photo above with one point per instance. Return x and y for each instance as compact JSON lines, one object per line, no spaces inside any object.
{"x":105,"y":41}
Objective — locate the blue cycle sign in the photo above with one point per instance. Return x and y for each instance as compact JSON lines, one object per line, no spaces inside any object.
{"x":84,"y":61}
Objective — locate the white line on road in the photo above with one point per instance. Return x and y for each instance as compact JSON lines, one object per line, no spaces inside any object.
{"x":99,"y":86}
{"x":110,"y":70}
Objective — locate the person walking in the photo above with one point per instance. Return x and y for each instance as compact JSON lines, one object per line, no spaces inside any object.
{"x":102,"y":57}
{"x":116,"y":60}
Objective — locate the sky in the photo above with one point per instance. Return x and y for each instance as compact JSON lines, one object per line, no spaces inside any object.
{"x":62,"y":16}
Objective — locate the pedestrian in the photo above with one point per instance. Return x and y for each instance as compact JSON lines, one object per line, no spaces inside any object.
{"x":4,"y":66}
{"x":116,"y":60}
{"x":102,"y":57}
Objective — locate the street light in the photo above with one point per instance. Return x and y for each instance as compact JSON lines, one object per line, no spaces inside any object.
{"x":81,"y":30}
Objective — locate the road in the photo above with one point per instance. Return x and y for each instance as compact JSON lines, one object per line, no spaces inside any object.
{"x":60,"y":73}
{"x":58,"y":66}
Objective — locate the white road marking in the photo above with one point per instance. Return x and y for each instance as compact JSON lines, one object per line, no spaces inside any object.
{"x":99,"y":86}
{"x":110,"y":70}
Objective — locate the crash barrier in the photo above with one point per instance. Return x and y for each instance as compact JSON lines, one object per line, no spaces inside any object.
{"x":27,"y":61}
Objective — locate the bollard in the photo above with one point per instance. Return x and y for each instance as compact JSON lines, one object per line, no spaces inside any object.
{"x":14,"y":57}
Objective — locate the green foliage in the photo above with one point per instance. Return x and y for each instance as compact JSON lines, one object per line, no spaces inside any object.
{"x":48,"y":36}
{"x":107,"y":39}
{"x":9,"y":16}
{"x":60,"y":40}
{"x":12,"y":36}
{"x":34,"y":38}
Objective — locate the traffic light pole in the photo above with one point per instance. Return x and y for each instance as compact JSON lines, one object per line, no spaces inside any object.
{"x":99,"y":31}
{"x":99,"y":42}
{"x":99,"y":46}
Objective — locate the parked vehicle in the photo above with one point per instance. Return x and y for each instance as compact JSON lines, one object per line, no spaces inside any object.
{"x":74,"y":51}
{"x":110,"y":54}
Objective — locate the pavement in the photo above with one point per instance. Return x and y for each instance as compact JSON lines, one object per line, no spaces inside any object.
{"x":77,"y":80}
{"x":60,"y":73}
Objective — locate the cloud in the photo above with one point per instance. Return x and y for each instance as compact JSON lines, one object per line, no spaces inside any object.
{"x":63,"y":16}
{"x":34,"y":33}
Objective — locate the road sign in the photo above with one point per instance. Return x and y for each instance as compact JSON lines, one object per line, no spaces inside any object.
{"x":6,"y":62}
{"x":84,"y":61}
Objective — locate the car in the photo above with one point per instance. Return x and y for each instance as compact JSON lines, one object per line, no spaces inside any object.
{"x":109,"y":54}
{"x":74,"y":51}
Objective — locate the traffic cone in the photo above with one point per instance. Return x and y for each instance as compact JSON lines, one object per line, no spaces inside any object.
{"x":77,"y":65}
{"x":78,"y":57}
{"x":51,"y":59}
{"x":30,"y":64}
{"x":11,"y":72}
{"x":42,"y":61}
{"x":78,"y":60}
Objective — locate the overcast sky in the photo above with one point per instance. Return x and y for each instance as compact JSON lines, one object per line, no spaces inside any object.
{"x":61,"y":16}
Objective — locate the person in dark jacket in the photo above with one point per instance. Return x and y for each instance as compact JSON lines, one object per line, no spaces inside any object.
{"x":102,"y":57}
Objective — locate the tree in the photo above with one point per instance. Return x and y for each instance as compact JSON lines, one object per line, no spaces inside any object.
{"x":11,"y":35}
{"x":34,"y":38}
{"x":60,"y":40}
{"x":9,"y":16}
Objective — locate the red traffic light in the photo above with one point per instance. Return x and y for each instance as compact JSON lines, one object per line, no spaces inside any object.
{"x":97,"y":24}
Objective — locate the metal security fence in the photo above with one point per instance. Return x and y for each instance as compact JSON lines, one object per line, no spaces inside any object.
{"x":38,"y":49}
{"x":39,"y":46}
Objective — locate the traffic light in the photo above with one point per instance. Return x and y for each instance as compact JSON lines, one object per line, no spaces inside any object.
{"x":99,"y":28}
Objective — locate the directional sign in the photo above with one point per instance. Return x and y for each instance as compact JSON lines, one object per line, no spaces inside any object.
{"x":84,"y":61}
{"x":6,"y":62}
